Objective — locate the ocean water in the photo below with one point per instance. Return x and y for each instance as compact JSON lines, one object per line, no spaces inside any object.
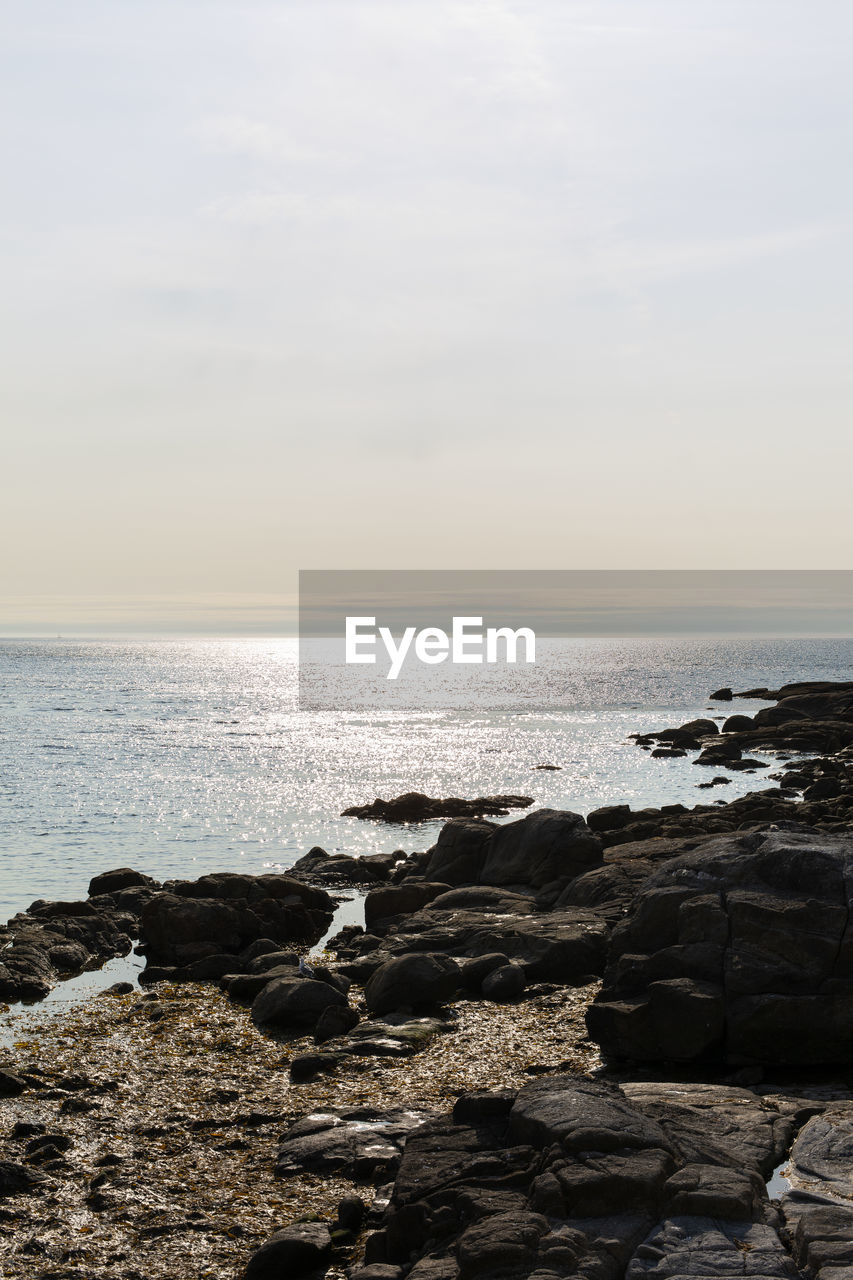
{"x":180,"y":757}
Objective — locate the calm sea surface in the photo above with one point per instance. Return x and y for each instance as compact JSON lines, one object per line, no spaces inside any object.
{"x":181,"y":757}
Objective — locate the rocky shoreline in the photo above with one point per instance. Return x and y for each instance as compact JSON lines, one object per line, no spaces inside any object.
{"x":561,"y":1046}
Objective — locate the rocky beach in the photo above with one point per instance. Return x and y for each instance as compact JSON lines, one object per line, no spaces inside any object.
{"x":617,"y":1044}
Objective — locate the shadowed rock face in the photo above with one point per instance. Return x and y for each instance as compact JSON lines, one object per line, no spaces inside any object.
{"x":741,"y":951}
{"x":220,"y":915}
{"x":545,"y":848}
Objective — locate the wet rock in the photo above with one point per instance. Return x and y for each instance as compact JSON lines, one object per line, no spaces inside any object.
{"x":363,"y":1144}
{"x":417,"y":979}
{"x":457,"y":856}
{"x":295,"y":1251}
{"x":721,"y":695}
{"x":416,"y":807}
{"x":286,"y":1002}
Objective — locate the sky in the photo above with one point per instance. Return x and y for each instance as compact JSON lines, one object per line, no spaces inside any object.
{"x":461,"y":283}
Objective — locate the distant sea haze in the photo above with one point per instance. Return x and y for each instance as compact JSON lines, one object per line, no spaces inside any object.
{"x":555,"y":602}
{"x":185,"y":756}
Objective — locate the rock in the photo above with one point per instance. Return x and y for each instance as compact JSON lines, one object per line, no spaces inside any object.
{"x":739,"y":952}
{"x":351,"y":1212}
{"x":474,"y":972}
{"x":702,"y":1247}
{"x":362,"y":1144}
{"x":552,"y":946}
{"x":121,"y":878}
{"x":416,"y":807}
{"x":609,"y":818}
{"x":299,"y":1002}
{"x":417,"y":979}
{"x":738,"y":724}
{"x":503,"y":1241}
{"x":546,"y":846}
{"x":706,"y":1190}
{"x":400,"y":900}
{"x":668,"y":753}
{"x":11,"y":1086}
{"x":295,"y":1251}
{"x":307,"y":1066}
{"x":222,"y":914}
{"x":17,"y":1180}
{"x":334,"y":1021}
{"x":457,"y":855}
{"x":581,"y":1115}
{"x":721,"y":695}
{"x":504,"y":984}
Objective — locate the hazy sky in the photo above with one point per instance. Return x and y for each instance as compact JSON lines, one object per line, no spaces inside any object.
{"x":336,"y":283}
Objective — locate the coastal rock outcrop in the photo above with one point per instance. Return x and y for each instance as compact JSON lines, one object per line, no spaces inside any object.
{"x":220,"y":915}
{"x":570,"y":1176}
{"x":741,"y":951}
{"x":416,"y":807}
{"x":545,"y":849}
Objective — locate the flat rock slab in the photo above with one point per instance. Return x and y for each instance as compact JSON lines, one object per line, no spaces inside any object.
{"x":707,"y":1249}
{"x":363,"y":1144}
{"x":552,"y":946}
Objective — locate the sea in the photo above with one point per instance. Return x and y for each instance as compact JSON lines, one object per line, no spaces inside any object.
{"x":183,"y":756}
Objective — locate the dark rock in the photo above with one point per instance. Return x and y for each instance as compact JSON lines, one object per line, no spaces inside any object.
{"x":121,"y":878}
{"x":334,"y":1021}
{"x":504,"y":1241}
{"x":721,"y":695}
{"x":307,"y":1066}
{"x":222,"y":914}
{"x":295,"y":1251}
{"x":738,"y":724}
{"x":17,"y":1180}
{"x":11,"y":1086}
{"x":739,"y":951}
{"x":400,"y":900}
{"x":287,"y":1003}
{"x":703,"y":1247}
{"x":416,"y":807}
{"x":473,"y":972}
{"x":457,"y":855}
{"x":504,"y":984}
{"x":351,"y":1212}
{"x":417,"y":979}
{"x":609,"y":818}
{"x":546,"y":846}
{"x":552,"y":946}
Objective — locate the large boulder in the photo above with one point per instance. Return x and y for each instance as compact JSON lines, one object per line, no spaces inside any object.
{"x":294,"y":1002}
{"x":741,"y":951}
{"x":417,"y":979}
{"x":543,"y":848}
{"x":222,"y":914}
